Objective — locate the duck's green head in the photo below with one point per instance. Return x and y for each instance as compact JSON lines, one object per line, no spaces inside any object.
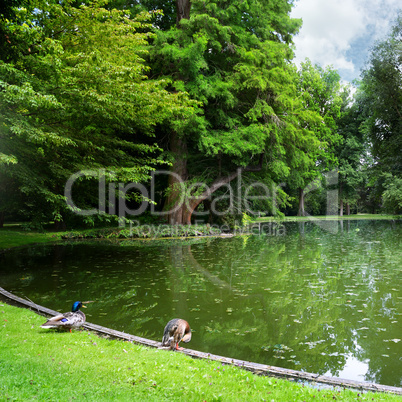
{"x":76,"y":306}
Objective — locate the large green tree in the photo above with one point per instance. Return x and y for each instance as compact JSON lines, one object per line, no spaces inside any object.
{"x":351,"y":153}
{"x":381,"y":87}
{"x":321,"y":93}
{"x":74,"y":96}
{"x":234,"y":58}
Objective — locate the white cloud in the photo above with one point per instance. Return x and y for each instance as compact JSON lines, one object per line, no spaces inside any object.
{"x":340,"y":32}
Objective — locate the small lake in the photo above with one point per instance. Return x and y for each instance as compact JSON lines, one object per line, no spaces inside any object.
{"x":300,"y":296}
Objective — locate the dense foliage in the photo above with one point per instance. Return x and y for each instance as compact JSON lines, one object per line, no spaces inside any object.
{"x":113,"y":91}
{"x":381,"y":99}
{"x":75,"y":97}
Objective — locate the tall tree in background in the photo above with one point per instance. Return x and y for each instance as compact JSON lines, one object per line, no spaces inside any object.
{"x":382,"y":99}
{"x":234,"y":59}
{"x":320,"y":91}
{"x":381,"y":85}
{"x":350,"y":153}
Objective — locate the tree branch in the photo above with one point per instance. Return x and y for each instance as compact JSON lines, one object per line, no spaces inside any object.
{"x":222,"y":180}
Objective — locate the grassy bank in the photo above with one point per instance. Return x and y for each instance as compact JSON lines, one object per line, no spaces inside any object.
{"x":329,"y":217}
{"x":46,"y":365}
{"x":15,"y":236}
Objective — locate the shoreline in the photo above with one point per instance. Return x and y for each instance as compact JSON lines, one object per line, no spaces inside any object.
{"x":12,"y":236}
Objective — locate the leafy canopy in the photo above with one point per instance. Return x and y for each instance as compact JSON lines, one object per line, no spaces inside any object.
{"x":75,"y":96}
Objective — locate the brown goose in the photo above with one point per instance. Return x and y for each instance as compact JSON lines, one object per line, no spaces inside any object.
{"x":176,"y":330}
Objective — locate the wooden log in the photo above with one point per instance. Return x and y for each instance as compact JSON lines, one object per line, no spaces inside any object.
{"x":257,"y":368}
{"x":18,"y":301}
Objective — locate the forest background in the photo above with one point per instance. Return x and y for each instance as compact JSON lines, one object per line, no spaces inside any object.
{"x":193,"y":108}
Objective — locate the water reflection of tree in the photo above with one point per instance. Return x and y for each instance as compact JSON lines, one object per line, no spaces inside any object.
{"x":334,"y":315}
{"x":259,"y":320}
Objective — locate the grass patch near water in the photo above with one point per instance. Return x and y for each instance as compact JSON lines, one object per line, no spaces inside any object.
{"x":329,"y":218}
{"x":45,"y":365}
{"x":16,"y":238}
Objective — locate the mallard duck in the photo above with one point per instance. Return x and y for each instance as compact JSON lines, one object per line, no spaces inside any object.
{"x":176,"y":330}
{"x":72,"y":319}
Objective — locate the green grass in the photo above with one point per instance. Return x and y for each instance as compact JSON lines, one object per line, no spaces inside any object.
{"x":14,"y":237}
{"x":38,"y":364}
{"x":328,"y":217}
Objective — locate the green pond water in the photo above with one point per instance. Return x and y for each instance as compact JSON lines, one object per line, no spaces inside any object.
{"x":320,"y":299}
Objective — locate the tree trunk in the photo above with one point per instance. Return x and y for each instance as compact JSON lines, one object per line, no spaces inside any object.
{"x":179,"y":205}
{"x":192,"y":203}
{"x":182,"y":10}
{"x":218,"y":183}
{"x":2,"y":216}
{"x":347,"y":208}
{"x":340,"y":200}
{"x":301,"y":203}
{"x":174,"y":203}
{"x":60,"y":226}
{"x":207,"y":207}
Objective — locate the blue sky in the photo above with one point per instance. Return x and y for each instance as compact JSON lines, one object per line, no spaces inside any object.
{"x":341,"y":32}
